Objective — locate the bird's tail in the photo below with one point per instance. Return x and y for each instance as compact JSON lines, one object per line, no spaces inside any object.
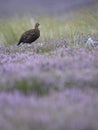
{"x":18,"y":44}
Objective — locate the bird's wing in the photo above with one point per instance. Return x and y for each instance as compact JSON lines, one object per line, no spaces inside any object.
{"x":28,"y":34}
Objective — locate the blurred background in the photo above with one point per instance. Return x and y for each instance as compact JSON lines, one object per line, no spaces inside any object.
{"x":62,"y":18}
{"x":42,"y":7}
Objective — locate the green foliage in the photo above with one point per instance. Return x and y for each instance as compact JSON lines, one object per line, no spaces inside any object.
{"x":45,"y":48}
{"x":83,"y":22}
{"x":34,"y":86}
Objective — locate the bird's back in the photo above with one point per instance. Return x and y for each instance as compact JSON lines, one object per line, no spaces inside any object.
{"x":29,"y":36}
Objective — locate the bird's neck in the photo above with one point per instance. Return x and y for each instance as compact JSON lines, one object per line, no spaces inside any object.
{"x":36,"y":28}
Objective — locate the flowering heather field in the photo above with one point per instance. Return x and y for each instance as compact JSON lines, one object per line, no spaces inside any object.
{"x":54,"y":90}
{"x":51,"y":84}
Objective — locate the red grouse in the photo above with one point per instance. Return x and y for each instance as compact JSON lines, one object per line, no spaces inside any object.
{"x":30,"y":35}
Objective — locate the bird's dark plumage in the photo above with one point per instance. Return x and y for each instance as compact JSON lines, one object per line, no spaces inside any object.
{"x":30,"y":35}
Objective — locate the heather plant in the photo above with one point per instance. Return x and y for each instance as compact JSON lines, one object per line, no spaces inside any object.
{"x":41,"y":73}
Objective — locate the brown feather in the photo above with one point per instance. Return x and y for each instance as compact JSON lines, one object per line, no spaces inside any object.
{"x":30,"y":35}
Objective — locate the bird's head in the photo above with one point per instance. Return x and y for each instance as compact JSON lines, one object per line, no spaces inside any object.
{"x":37,"y":25}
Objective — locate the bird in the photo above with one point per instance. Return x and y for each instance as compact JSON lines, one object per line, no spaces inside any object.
{"x":30,"y":35}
